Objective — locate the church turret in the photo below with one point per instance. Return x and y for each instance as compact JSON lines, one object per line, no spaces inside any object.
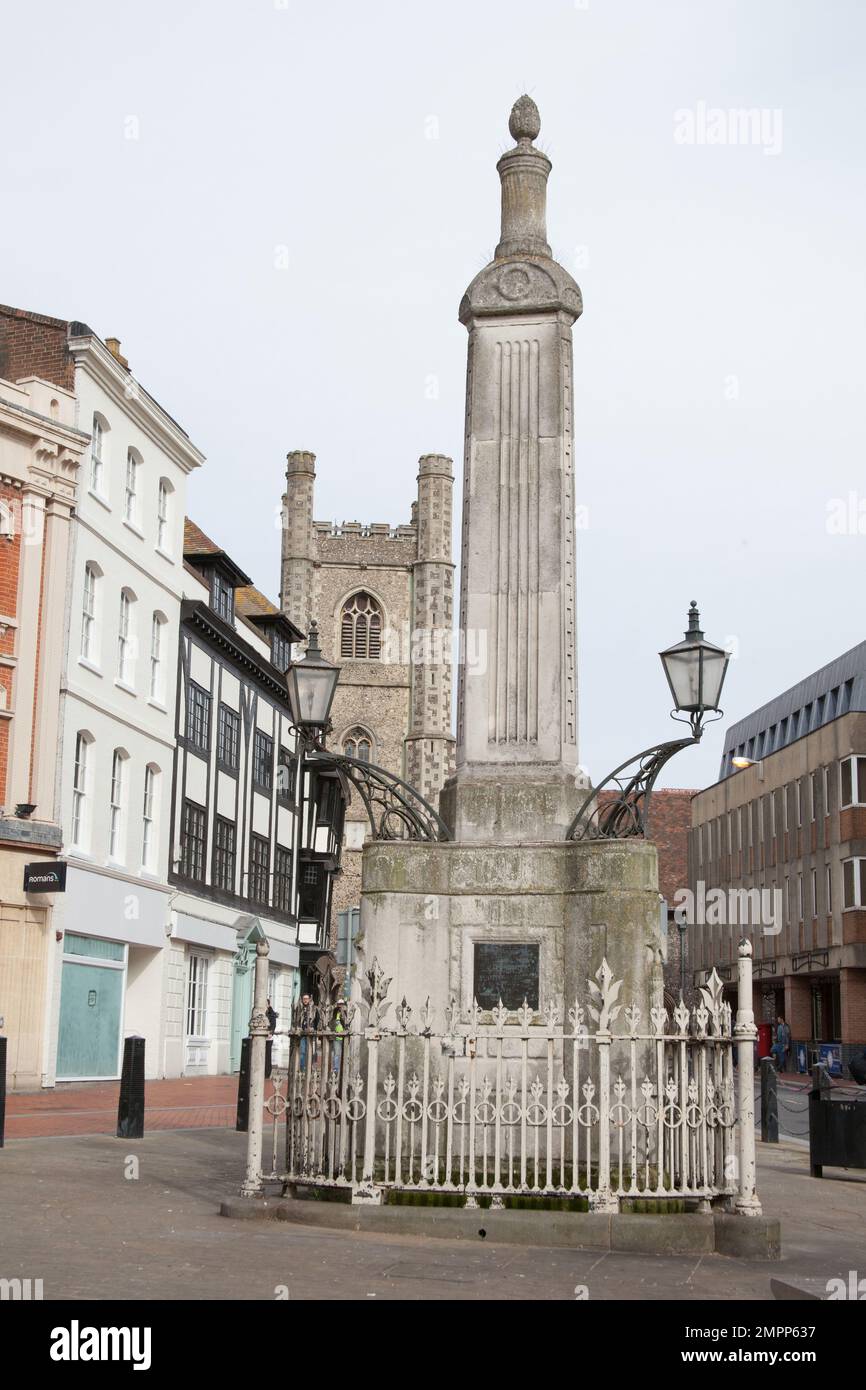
{"x":430,"y":743}
{"x":296,"y":597}
{"x":517,"y":698}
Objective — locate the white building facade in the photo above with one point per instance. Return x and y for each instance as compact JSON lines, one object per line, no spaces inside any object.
{"x":117,"y":723}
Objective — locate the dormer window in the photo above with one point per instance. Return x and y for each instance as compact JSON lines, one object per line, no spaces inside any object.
{"x":281,"y":651}
{"x":222,"y":596}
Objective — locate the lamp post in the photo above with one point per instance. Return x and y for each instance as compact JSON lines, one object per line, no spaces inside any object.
{"x":695,"y":669}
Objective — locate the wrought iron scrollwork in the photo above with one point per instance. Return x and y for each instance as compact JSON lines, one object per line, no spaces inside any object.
{"x":395,"y":810}
{"x":622,"y":814}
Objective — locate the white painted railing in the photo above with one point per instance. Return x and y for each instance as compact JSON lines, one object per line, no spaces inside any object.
{"x":523,"y":1105}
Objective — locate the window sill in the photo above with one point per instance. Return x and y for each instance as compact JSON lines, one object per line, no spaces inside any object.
{"x":100,"y":498}
{"x":90,"y":666}
{"x":123,"y":685}
{"x":164,"y":553}
{"x":131,"y":526}
{"x":157,"y":704}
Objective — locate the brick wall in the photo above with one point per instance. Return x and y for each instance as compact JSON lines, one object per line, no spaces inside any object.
{"x":34,"y":345}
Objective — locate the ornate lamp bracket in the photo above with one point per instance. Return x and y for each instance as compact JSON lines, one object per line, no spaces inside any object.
{"x":623,"y":814}
{"x":395,"y":810}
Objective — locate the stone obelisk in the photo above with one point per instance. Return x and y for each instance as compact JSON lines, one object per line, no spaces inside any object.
{"x":517,"y":693}
{"x":510,"y":908}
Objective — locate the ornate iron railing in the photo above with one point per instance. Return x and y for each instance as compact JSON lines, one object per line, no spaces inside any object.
{"x":521,"y":1105}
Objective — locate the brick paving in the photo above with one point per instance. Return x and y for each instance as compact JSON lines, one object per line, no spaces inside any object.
{"x":201,"y":1102}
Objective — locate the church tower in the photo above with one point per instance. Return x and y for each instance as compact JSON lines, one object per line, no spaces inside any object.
{"x":517,"y":693}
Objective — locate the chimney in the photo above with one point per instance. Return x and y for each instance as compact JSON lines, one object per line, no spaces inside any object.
{"x":113,"y":345}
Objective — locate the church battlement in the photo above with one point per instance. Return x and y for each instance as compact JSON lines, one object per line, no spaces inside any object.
{"x":358,"y":530}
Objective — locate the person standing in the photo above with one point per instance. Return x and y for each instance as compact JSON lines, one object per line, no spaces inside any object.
{"x":782,"y":1043}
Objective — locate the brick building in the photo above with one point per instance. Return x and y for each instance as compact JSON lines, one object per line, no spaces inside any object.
{"x":384,"y":600}
{"x":788,"y":828}
{"x":41,"y":451}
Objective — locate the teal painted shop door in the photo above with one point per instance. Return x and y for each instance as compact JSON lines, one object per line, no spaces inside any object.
{"x":91,"y":1008}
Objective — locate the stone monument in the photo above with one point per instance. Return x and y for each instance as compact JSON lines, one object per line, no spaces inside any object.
{"x":510,"y":907}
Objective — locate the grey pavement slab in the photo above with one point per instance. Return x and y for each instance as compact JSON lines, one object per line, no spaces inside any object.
{"x":70,"y":1216}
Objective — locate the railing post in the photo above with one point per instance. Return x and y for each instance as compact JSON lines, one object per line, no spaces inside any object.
{"x":745,"y":1032}
{"x":603,"y":1198}
{"x":366,"y":1190}
{"x":259,"y":1029}
{"x":769,"y":1102}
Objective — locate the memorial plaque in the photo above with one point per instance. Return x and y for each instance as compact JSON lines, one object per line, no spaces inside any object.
{"x":506,"y":972}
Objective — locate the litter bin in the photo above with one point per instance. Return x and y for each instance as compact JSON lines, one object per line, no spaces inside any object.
{"x":765,"y":1039}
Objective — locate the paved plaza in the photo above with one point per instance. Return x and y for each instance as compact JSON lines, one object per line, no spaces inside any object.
{"x":70,"y":1216}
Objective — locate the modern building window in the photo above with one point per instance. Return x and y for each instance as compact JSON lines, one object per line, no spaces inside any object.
{"x":130,"y":496}
{"x":829,"y":889}
{"x":814,"y":885}
{"x":79,"y":790}
{"x":760,"y":820}
{"x":224,"y":855}
{"x":125,"y":638}
{"x":361,"y":628}
{"x":162,"y":514}
{"x":798,"y":801}
{"x":825,"y":774}
{"x":88,"y":614}
{"x":283,"y":880}
{"x":192,"y":841}
{"x":148,"y":846}
{"x":785,"y":810}
{"x":281,"y":651}
{"x":853,"y":781}
{"x":358,"y":744}
{"x":854,"y":883}
{"x":813,"y":796}
{"x":286,"y":773}
{"x":222,"y":596}
{"x":197,"y":717}
{"x":228,"y":738}
{"x":799,"y":897}
{"x":263,"y":758}
{"x":260,"y":866}
{"x":773,"y":815}
{"x":196,"y":996}
{"x":157,"y":684}
{"x":97,"y":456}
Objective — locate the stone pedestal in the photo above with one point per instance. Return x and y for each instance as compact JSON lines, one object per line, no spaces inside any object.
{"x":424,"y":908}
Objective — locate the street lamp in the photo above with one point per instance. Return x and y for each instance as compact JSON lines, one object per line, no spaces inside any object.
{"x":695,"y":671}
{"x":311,"y":684}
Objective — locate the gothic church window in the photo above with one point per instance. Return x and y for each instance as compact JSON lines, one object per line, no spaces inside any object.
{"x":357,"y":744}
{"x":361,"y":628}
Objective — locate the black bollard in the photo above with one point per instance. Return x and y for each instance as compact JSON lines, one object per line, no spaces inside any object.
{"x":769,"y":1102}
{"x":130,"y":1110}
{"x":819,"y":1096}
{"x":243,"y":1118}
{"x":2,"y":1090}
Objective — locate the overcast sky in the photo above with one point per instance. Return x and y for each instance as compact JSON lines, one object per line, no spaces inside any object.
{"x":277,"y":207}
